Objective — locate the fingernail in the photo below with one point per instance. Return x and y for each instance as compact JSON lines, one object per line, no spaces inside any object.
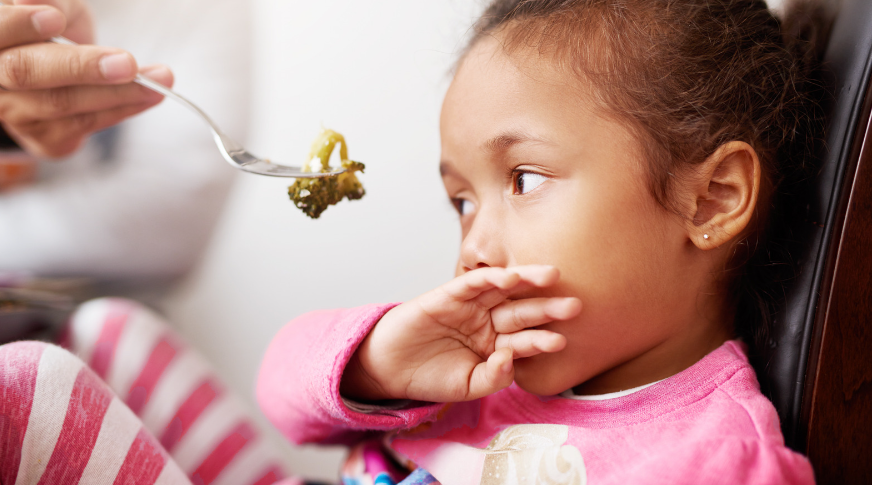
{"x":506,"y":367}
{"x":154,"y":70}
{"x":48,"y":22}
{"x":157,"y":73}
{"x":116,"y":67}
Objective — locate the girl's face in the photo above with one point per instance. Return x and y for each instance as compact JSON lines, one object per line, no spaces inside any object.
{"x":538,"y":176}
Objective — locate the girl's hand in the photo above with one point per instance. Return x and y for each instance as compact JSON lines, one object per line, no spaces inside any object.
{"x":457,"y":342}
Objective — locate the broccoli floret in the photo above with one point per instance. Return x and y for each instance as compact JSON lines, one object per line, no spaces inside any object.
{"x":348,"y":182}
{"x":314,"y":195}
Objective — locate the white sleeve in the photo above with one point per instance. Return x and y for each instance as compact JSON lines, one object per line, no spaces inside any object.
{"x":147,"y":211}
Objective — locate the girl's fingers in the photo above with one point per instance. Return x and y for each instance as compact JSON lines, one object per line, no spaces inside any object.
{"x":495,"y":374}
{"x":476,"y":282}
{"x":531,"y":342}
{"x":537,"y":275}
{"x":515,"y":315}
{"x":492,"y":298}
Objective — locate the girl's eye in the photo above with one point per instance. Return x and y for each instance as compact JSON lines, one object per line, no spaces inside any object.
{"x":463,"y":206}
{"x":527,"y":181}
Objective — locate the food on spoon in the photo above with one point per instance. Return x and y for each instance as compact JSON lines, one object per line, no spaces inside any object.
{"x":314,"y":195}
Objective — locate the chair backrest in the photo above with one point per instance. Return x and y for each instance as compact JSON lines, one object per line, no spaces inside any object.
{"x":791,"y":368}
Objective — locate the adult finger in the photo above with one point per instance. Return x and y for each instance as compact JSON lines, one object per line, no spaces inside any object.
{"x":58,"y":138}
{"x":25,"y":25}
{"x":47,"y":65}
{"x":78,"y":14}
{"x":70,"y":8}
{"x":495,"y":374}
{"x":159,"y":73}
{"x":52,"y":104}
{"x":48,"y":104}
{"x":530,"y":342}
{"x":516,"y":315}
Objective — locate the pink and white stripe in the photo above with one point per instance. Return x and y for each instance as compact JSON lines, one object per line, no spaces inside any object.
{"x":207,"y":431}
{"x":61,"y":424}
{"x":66,"y":427}
{"x":18,"y":371}
{"x":177,"y":399}
{"x":51,"y":395}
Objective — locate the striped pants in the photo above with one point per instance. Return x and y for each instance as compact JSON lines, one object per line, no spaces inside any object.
{"x":132,"y":404}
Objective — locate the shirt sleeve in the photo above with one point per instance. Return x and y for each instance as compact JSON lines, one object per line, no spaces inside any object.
{"x":298,"y":384}
{"x":148,"y":209}
{"x":726,"y":461}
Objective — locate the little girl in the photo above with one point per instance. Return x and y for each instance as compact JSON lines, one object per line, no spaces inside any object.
{"x":613,"y":164}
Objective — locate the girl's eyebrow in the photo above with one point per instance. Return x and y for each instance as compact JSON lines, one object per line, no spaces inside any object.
{"x":445,"y":170}
{"x":504,"y":141}
{"x":495,"y":145}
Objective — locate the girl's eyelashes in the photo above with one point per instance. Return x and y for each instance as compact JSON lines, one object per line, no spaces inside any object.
{"x":525,"y":182}
{"x":463,"y":206}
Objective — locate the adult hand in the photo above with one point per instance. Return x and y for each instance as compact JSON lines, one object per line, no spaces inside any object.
{"x":54,"y":96}
{"x":458,"y":342}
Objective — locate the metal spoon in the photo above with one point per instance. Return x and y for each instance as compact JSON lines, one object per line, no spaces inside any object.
{"x":233,"y":152}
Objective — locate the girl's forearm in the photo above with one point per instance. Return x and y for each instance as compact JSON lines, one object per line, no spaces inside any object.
{"x":299,"y":381}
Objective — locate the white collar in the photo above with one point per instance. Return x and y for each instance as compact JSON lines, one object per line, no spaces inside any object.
{"x":569,"y":394}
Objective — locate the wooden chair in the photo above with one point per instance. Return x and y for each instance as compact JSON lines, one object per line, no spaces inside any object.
{"x":818,"y":364}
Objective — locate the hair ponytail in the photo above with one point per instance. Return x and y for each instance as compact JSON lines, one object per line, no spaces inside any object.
{"x":806,"y":28}
{"x":758,"y":288}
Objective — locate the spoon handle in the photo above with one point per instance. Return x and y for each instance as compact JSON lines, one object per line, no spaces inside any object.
{"x":160,"y":88}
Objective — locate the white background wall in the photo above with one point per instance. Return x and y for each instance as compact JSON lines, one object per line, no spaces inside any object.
{"x":375,"y":71}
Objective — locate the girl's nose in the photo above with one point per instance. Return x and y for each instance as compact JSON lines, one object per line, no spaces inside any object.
{"x":484,"y":245}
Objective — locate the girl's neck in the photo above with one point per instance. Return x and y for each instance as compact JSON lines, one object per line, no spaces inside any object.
{"x":663,"y":360}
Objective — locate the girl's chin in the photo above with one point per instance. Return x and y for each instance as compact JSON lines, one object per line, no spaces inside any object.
{"x":542,"y":375}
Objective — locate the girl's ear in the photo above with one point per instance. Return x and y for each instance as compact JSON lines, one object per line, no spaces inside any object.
{"x":725,"y":190}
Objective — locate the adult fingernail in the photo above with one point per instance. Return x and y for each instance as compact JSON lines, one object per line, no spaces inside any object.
{"x":116,"y":67}
{"x":161,"y":74}
{"x":48,"y":22}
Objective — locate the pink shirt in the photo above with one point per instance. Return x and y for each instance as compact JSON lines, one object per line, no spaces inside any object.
{"x":707,"y":424}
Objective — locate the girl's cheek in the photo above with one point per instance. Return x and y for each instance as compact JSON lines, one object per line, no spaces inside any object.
{"x":554,"y":228}
{"x":464,"y":230}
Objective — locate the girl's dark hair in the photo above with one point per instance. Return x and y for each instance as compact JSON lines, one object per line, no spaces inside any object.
{"x":690,"y":75}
